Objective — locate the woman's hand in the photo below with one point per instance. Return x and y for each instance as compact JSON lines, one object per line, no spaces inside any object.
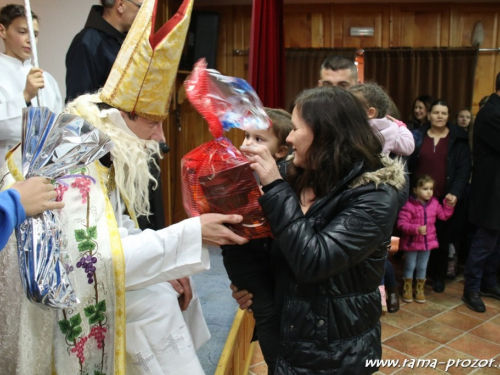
{"x":262,"y":162}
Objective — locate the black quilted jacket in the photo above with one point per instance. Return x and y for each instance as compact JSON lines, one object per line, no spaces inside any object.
{"x":335,"y":259}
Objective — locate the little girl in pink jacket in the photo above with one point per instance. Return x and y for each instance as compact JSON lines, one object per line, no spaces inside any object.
{"x":417,"y":223}
{"x":397,"y":138}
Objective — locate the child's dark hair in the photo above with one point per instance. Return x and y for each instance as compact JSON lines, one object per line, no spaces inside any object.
{"x":372,"y":95}
{"x":282,"y":124}
{"x":421,"y":180}
{"x":12,"y":11}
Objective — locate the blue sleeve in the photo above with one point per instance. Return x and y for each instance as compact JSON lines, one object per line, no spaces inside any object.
{"x":11,"y":214}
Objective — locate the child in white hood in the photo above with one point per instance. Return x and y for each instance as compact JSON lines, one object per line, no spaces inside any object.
{"x":397,"y":138}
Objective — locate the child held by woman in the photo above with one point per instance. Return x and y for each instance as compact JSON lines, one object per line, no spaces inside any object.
{"x":250,"y":266}
{"x":417,"y":223}
{"x":397,"y":140}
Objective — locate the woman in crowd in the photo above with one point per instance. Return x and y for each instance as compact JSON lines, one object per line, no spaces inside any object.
{"x":331,"y":222}
{"x":421,"y":107}
{"x":465,"y":120}
{"x":442,"y":152}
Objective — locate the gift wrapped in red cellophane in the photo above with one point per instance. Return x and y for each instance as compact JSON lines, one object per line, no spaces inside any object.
{"x":216,"y":176}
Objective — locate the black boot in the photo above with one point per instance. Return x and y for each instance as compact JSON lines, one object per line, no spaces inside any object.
{"x":392,"y":299}
{"x":473,"y":301}
{"x":438,"y":286}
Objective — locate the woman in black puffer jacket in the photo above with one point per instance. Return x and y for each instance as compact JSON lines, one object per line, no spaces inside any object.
{"x":332,"y":222}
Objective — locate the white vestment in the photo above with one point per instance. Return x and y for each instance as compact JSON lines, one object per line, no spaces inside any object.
{"x":158,"y":337}
{"x":161,"y":339}
{"x":13,"y":75}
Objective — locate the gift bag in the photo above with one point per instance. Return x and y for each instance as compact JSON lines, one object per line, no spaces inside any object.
{"x":216,"y":176}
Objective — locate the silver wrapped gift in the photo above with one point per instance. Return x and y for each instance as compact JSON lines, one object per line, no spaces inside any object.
{"x":53,"y":146}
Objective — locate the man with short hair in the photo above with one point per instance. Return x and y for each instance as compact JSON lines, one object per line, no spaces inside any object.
{"x":93,"y":51}
{"x":338,"y":71}
{"x":484,"y":256}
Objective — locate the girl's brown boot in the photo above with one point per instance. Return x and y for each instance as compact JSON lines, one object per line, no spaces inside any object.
{"x":407,"y":290}
{"x":419,"y":293}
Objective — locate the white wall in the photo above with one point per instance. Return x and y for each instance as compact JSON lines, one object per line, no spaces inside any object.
{"x":60,"y":21}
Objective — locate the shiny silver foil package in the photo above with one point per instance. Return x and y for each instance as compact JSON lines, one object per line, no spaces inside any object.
{"x":53,"y":147}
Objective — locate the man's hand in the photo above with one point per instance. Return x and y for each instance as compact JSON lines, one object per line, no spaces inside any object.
{"x":34,"y":82}
{"x":183,"y":287}
{"x":37,"y":195}
{"x":451,"y":200}
{"x":243,"y":298}
{"x":214,"y":232}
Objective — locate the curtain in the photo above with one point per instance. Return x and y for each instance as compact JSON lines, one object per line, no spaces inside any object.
{"x":302,"y":66}
{"x":443,"y":73}
{"x":267,"y":53}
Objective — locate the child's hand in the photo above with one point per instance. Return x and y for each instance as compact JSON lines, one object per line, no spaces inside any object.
{"x":451,"y":200}
{"x":422,"y":230}
{"x":398,"y":122}
{"x":34,"y":82}
{"x":37,"y":194}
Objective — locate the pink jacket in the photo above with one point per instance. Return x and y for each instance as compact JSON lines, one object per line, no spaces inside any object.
{"x":414,"y":214}
{"x":398,"y":139}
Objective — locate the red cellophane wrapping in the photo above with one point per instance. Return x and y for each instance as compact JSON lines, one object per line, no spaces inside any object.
{"x":216,"y":176}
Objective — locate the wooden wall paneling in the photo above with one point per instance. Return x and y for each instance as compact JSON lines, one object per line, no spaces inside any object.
{"x":464,"y":17}
{"x":307,"y":25}
{"x":368,"y":15}
{"x":338,"y":25}
{"x":162,"y":15}
{"x":317,"y":30}
{"x":394,"y":25}
{"x":425,"y":25}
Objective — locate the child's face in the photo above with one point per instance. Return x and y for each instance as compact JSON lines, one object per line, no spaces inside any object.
{"x":424,"y":192}
{"x":463,"y":119}
{"x":263,"y":137}
{"x":16,"y":38}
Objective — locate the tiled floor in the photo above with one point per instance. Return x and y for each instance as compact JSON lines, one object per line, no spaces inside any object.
{"x":443,"y":329}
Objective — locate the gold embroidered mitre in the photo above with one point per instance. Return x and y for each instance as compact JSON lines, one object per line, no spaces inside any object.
{"x":143,"y":74}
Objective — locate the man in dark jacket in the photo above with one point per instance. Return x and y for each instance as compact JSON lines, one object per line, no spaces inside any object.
{"x":484,"y":255}
{"x":94,"y":49}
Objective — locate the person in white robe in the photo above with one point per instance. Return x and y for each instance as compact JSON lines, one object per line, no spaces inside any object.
{"x":15,"y":65}
{"x":129,"y":320}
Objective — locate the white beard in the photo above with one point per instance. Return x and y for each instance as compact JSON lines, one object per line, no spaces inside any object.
{"x":131,"y":156}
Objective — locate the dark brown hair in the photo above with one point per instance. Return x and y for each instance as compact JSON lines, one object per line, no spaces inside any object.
{"x":12,"y":11}
{"x":426,"y":100}
{"x":342,"y":138}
